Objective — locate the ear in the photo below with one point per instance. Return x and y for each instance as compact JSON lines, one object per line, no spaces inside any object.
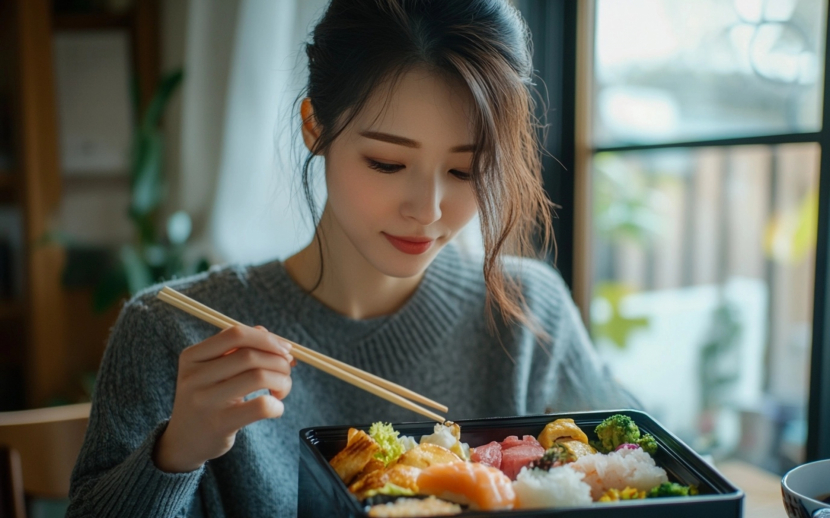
{"x":311,"y":131}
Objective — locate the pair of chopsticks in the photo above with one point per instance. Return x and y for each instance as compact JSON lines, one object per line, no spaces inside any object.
{"x":369,"y":382}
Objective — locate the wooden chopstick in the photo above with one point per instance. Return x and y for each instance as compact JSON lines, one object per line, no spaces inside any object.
{"x":313,"y":358}
{"x":388,"y":385}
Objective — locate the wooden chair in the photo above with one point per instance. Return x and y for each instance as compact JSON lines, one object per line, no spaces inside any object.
{"x":48,"y":441}
{"x":12,"y":504}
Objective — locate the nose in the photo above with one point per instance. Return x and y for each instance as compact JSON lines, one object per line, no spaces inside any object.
{"x":422,"y":200}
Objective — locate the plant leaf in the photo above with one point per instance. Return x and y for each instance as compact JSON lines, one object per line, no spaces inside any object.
{"x":155,"y":109}
{"x":147,"y":182}
{"x":136,"y":270}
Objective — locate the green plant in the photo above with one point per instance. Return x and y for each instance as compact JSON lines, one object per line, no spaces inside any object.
{"x":157,"y":249}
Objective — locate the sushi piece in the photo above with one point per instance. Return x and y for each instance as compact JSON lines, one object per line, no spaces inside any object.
{"x":404,"y":507}
{"x":488,"y":454}
{"x":516,"y":454}
{"x":426,"y":455}
{"x":359,"y":451}
{"x":468,"y":483}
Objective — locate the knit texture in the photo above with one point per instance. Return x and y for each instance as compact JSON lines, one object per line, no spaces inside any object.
{"x":437,"y":344}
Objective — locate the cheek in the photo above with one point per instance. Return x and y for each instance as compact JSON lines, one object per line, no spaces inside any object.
{"x":460,"y":206}
{"x":356,"y":195}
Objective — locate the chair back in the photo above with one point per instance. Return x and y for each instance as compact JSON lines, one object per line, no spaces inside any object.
{"x":12,"y":504}
{"x":48,"y":441}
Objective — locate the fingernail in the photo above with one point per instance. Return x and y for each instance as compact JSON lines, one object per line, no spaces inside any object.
{"x":283,"y":347}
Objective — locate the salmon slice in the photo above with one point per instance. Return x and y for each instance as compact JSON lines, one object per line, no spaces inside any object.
{"x":470,"y":483}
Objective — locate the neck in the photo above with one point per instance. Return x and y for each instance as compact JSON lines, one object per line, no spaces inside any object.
{"x":349,"y":285}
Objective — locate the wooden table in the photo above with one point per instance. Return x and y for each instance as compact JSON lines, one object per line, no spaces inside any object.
{"x":762,"y":489}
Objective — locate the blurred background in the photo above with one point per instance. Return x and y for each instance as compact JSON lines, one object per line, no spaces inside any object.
{"x":143,"y":140}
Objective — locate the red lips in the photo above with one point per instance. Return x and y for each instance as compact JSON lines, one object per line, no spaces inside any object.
{"x":412,"y":245}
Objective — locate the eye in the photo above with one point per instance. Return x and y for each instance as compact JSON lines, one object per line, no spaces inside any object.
{"x":384,"y":167}
{"x":461,"y":175}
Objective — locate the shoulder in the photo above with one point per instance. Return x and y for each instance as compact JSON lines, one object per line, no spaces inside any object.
{"x":145,"y":314}
{"x":540,"y":284}
{"x":539,"y":281}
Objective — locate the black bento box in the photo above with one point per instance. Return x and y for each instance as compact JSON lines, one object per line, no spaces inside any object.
{"x":322,"y":494}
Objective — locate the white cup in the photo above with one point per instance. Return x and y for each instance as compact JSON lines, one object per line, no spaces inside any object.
{"x":802,"y":485}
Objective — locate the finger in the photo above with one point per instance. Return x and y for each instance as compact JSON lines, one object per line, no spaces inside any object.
{"x":233,"y":390}
{"x":235,"y":337}
{"x":243,"y":414}
{"x":241,"y":360}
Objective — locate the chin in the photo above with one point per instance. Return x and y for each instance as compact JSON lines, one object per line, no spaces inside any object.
{"x":395,"y":263}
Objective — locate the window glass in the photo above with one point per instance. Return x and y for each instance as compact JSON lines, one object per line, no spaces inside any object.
{"x":675,"y":71}
{"x":703,"y":287}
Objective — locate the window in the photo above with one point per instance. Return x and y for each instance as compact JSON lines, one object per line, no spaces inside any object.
{"x":704,"y":192}
{"x":694,"y":224}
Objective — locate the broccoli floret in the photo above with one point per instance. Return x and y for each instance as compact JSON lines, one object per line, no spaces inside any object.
{"x":617,"y":429}
{"x":648,"y":444}
{"x":671,"y":489}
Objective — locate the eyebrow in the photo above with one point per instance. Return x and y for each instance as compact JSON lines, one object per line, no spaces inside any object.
{"x":403,"y":141}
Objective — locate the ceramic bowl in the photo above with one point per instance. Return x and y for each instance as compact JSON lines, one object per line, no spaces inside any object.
{"x":800,"y":487}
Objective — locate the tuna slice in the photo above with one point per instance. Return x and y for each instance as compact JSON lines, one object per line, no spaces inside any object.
{"x":516,"y":454}
{"x":489,"y":454}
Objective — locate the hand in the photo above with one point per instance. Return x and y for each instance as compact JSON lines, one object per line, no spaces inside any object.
{"x":213,"y":378}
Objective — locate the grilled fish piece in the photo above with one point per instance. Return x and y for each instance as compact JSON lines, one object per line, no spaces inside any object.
{"x":359,"y":451}
{"x":426,"y":455}
{"x":400,"y":475}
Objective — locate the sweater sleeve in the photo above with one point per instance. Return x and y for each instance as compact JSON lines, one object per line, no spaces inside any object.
{"x":115,"y":475}
{"x":575,"y":377}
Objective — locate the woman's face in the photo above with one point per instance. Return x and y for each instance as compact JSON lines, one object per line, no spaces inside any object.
{"x":398,"y":177}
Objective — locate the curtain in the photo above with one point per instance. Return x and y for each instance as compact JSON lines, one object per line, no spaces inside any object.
{"x":231,"y":136}
{"x":239,"y":145}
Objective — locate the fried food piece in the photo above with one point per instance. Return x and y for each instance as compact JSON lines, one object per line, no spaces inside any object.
{"x":371,"y":466}
{"x":359,"y":451}
{"x":405,"y":477}
{"x":561,"y":428}
{"x":426,"y":455}
{"x":405,"y":507}
{"x":455,"y":429}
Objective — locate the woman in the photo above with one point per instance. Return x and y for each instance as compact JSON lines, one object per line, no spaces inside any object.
{"x":422,"y":113}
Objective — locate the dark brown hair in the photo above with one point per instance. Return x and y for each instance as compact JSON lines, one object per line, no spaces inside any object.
{"x":360,"y":44}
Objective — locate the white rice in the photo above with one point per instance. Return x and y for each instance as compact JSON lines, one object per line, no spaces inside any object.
{"x":616,"y":470}
{"x":559,"y":487}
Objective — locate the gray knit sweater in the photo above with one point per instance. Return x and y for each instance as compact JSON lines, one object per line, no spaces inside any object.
{"x":438,"y":344}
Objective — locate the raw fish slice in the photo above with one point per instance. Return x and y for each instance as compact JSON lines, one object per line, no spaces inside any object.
{"x":512,"y":441}
{"x":515,"y":458}
{"x":479,"y":486}
{"x":488,"y":454}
